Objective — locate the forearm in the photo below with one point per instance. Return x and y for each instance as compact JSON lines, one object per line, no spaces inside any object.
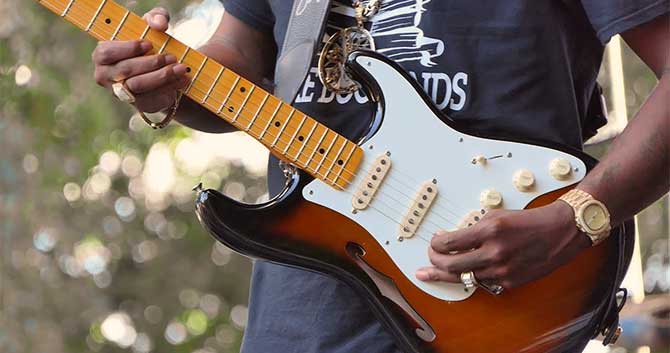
{"x":636,"y":170}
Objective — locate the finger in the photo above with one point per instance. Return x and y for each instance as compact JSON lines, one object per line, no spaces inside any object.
{"x":111,"y":52}
{"x":432,"y":274}
{"x":496,"y":275}
{"x":458,"y":263}
{"x":161,"y":98}
{"x":460,"y":240}
{"x":158,"y":18}
{"x":156,"y":79}
{"x":138,"y":66}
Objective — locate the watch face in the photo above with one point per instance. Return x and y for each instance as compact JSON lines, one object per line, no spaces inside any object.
{"x":594,"y":216}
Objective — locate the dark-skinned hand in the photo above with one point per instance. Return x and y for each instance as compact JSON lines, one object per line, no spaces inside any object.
{"x":508,"y":248}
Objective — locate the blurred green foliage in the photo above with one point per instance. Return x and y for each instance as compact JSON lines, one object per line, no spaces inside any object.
{"x":88,"y":265}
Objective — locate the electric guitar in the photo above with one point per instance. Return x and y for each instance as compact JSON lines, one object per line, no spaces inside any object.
{"x":364,"y":211}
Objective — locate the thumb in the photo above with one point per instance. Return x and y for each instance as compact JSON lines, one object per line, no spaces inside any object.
{"x":158,"y":19}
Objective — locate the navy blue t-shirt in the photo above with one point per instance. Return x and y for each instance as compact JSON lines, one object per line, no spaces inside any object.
{"x":522,"y":67}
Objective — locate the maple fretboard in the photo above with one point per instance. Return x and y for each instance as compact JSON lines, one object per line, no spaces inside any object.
{"x":287,"y":132}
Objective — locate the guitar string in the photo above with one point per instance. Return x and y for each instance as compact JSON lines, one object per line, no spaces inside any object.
{"x":427,"y":221}
{"x":437,"y":204}
{"x":417,"y":233}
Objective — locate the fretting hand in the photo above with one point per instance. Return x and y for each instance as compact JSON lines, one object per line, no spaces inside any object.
{"x":153,"y":79}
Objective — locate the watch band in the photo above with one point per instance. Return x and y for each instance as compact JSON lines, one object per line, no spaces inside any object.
{"x":576,"y":199}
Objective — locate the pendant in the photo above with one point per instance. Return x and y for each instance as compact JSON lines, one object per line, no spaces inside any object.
{"x":332,"y":60}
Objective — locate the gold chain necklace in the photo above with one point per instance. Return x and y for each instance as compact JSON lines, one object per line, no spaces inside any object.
{"x":333,"y":57}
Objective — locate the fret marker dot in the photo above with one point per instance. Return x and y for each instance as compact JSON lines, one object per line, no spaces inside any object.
{"x":322,"y":151}
{"x":277,"y":124}
{"x":231,"y":109}
{"x":108,"y":21}
{"x":340,"y":162}
{"x":301,"y":138}
{"x":242,"y":89}
{"x":188,"y":69}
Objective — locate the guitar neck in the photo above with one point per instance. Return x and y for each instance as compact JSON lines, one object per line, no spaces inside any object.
{"x":287,"y":132}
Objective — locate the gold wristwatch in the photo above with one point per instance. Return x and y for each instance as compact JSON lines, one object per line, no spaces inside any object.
{"x":591,"y":215}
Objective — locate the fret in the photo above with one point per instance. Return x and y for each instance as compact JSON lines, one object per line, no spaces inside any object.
{"x":107,"y":20}
{"x":267,"y":126}
{"x":316,"y":148}
{"x":95,"y":16}
{"x":346,"y":160}
{"x":195,"y":77}
{"x":118,"y":28}
{"x":267,"y":95}
{"x":164,"y":45}
{"x":211,"y":88}
{"x":146,"y":31}
{"x":67,"y":8}
{"x":304,"y":143}
{"x":244,"y":102}
{"x":325,"y":155}
{"x":181,"y":60}
{"x":337,"y":155}
{"x":302,"y":122}
{"x":225,"y":100}
{"x":288,"y":144}
{"x":281,"y":131}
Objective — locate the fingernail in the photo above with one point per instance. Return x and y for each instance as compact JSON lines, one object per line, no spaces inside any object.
{"x":422,"y":275}
{"x":170,"y":59}
{"x":146,"y":45}
{"x":157,"y":19}
{"x":179,"y":69}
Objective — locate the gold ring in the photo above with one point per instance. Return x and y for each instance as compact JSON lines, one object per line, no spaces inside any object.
{"x":470,"y":281}
{"x":122,"y":92}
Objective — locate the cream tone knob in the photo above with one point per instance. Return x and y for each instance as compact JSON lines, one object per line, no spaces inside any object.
{"x":560,"y":168}
{"x":523,"y":180}
{"x":490,"y":198}
{"x":479,"y":160}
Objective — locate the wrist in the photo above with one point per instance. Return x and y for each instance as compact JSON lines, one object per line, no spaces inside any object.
{"x":566,"y":222}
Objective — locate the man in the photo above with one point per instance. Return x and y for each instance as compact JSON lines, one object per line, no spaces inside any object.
{"x":523,"y":67}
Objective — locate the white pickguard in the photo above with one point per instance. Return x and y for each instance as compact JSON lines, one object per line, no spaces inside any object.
{"x":423,"y":148}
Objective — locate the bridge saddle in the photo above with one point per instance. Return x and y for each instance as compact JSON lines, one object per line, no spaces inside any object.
{"x":418,"y":209}
{"x":371,"y":183}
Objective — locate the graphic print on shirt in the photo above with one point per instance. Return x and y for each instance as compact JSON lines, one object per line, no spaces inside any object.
{"x":398,"y":35}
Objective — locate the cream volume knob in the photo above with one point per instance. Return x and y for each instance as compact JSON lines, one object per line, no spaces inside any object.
{"x":560,"y":168}
{"x":523,"y":180}
{"x":490,"y":198}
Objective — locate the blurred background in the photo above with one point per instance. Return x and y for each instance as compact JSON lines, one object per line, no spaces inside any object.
{"x":100,"y":248}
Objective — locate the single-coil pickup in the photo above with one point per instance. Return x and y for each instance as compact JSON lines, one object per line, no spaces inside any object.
{"x":418,"y":209}
{"x":472,"y":218}
{"x":373,"y":180}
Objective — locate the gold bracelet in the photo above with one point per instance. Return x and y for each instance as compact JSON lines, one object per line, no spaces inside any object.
{"x":166,"y":121}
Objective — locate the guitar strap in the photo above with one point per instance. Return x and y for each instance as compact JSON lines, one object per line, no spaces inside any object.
{"x":303,"y":35}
